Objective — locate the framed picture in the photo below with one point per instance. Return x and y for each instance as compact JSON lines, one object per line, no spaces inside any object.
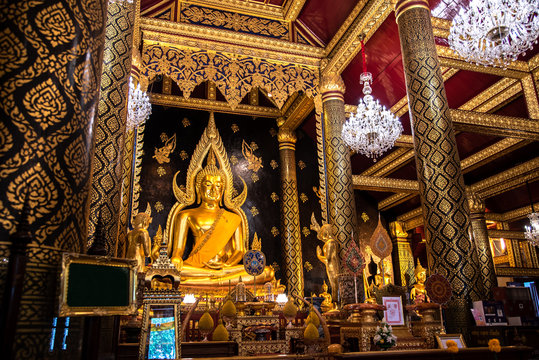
{"x":443,"y":338}
{"x":97,"y":285}
{"x":393,"y":314}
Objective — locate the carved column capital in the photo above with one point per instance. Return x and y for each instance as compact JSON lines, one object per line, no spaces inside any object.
{"x":332,"y":87}
{"x":287,"y":138}
{"x":402,"y":6}
{"x":475,"y":203}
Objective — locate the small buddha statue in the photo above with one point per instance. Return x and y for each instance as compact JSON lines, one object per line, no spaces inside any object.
{"x":327,"y":304}
{"x":419,"y":293}
{"x":138,"y":239}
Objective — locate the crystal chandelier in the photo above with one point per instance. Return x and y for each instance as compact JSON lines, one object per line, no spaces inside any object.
{"x":532,"y":232}
{"x":495,"y":32}
{"x":372,"y":129}
{"x":138,"y":106}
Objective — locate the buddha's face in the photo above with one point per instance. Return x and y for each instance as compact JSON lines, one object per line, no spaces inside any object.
{"x":421,"y":277}
{"x":211,"y":189}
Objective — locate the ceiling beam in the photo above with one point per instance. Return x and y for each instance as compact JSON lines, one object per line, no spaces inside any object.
{"x":492,"y":186}
{"x":292,"y":8}
{"x":231,"y":42}
{"x":497,"y":125}
{"x":512,"y":215}
{"x":253,"y":8}
{"x":384,"y":184}
{"x":297,"y":112}
{"x":394,"y":200}
{"x":390,"y":162}
{"x":213,"y":105}
{"x":506,"y":234}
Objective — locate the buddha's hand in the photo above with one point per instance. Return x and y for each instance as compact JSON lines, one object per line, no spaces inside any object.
{"x":215,"y":264}
{"x":178,"y":262}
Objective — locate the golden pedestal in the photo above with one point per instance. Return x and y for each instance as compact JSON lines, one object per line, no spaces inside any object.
{"x":361,"y":324}
{"x":427,"y":327}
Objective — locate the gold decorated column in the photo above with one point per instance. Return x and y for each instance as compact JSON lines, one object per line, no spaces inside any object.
{"x":487,"y":273}
{"x":403,"y":258}
{"x":111,"y":126}
{"x":290,"y":227}
{"x":49,"y":90}
{"x":450,"y":251}
{"x":340,"y":192}
{"x":341,"y":205}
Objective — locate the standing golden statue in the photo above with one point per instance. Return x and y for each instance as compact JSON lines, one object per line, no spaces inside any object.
{"x":216,"y":229}
{"x":419,"y":293}
{"x":138,"y":239}
{"x":329,"y":255}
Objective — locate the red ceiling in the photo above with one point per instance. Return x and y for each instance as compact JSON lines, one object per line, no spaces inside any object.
{"x":325,"y":17}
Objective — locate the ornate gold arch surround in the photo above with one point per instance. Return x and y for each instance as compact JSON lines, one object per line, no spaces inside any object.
{"x":235,"y":75}
{"x":210,"y":140}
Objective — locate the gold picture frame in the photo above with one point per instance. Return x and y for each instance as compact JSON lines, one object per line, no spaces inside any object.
{"x":442,"y":339}
{"x":81,"y":276}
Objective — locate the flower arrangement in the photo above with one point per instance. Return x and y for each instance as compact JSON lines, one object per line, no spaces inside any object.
{"x":452,"y":346}
{"x":494,"y":346}
{"x":384,"y":337}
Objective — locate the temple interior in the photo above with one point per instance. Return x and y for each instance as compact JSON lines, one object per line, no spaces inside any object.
{"x":280,"y":179}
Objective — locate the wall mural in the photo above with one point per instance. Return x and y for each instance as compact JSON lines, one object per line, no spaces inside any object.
{"x":170,"y":138}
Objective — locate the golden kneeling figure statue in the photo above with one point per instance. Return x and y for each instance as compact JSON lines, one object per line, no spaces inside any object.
{"x":219,"y":234}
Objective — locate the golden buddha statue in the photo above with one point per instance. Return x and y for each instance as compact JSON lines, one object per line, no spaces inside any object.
{"x":419,"y":293}
{"x":138,"y":239}
{"x":329,"y":254}
{"x":327,"y":304}
{"x":218,"y":225}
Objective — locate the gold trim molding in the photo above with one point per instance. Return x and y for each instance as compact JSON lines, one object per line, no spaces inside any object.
{"x":202,"y":37}
{"x":384,"y":184}
{"x":213,"y":105}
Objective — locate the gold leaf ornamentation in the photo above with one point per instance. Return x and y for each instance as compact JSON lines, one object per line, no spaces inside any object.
{"x":365,"y":217}
{"x":55,"y":24}
{"x":17,"y":53}
{"x":301,"y":164}
{"x":274,"y":231}
{"x":158,"y":206}
{"x":164,"y":137}
{"x":186,"y":122}
{"x":234,"y":160}
{"x":235,"y":128}
{"x":183,"y":155}
{"x":36,"y":185}
{"x":303,"y":198}
{"x":162,"y":154}
{"x":161,"y":171}
{"x":76,"y":159}
{"x":274,"y":164}
{"x":253,"y":146}
{"x":306,"y":232}
{"x":308,"y":267}
{"x":45,"y":104}
{"x":255,"y":163}
{"x":257,"y":243}
{"x":254,"y":177}
{"x":274,"y":197}
{"x":273,"y":132}
{"x":201,"y":15}
{"x":254,"y":211}
{"x":234,"y":75}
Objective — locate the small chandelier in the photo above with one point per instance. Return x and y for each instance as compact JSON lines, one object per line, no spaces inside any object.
{"x":138,"y":106}
{"x":495,"y":32}
{"x":373,"y":129}
{"x":532,"y":232}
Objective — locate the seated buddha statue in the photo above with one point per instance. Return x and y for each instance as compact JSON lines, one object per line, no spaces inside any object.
{"x":218,"y":238}
{"x":418,"y":293}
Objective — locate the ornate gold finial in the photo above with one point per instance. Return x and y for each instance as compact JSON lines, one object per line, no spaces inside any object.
{"x":158,"y":235}
{"x":212,"y":128}
{"x":257,"y":243}
{"x":475,"y":203}
{"x":419,"y":268}
{"x":148,"y":210}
